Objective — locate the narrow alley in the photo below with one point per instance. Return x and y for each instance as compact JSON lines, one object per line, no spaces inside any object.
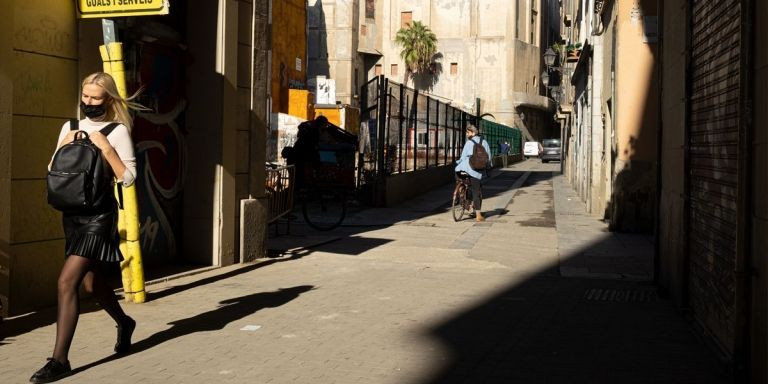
{"x":539,"y":293}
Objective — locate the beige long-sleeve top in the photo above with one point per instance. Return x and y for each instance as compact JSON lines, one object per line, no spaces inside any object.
{"x":120,"y":139}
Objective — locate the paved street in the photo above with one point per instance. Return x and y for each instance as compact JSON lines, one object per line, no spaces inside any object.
{"x":539,"y":293}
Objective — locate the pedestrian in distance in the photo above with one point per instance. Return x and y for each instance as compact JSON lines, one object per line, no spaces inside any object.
{"x":475,"y":174}
{"x":92,"y":240}
{"x":505,"y":148}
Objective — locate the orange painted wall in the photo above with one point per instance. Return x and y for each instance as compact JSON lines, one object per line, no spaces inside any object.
{"x":332,"y":114}
{"x":300,"y":103}
{"x":289,"y":43}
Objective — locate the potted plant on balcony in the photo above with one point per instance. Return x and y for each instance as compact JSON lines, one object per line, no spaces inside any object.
{"x":557,"y":47}
{"x":572,"y":52}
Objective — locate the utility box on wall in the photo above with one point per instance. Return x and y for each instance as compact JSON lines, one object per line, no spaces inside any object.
{"x":324,"y":88}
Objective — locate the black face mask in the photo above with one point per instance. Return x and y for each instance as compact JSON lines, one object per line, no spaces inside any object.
{"x":93,"y":111}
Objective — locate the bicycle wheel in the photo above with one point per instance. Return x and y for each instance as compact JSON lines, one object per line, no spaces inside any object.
{"x":458,"y":203}
{"x":324,"y":209}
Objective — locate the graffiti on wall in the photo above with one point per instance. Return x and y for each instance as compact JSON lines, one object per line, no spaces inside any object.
{"x":161,"y":152}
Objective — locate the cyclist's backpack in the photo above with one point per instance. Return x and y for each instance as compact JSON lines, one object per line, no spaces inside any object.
{"x":479,"y":159}
{"x":80,"y":180}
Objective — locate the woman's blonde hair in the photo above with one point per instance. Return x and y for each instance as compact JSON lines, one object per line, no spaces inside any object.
{"x":117,"y":106}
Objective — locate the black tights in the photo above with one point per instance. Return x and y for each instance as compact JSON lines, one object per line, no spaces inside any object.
{"x":76,"y":270}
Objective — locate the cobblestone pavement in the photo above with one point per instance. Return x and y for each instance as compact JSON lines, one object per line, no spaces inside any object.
{"x":400,"y":295}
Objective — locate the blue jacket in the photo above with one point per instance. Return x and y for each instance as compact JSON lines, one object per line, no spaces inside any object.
{"x":462,"y":163}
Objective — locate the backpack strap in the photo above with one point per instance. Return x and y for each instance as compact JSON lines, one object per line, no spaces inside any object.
{"x":108,"y":129}
{"x":74,"y":124}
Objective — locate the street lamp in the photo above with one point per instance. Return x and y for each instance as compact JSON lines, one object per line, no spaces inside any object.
{"x":549,"y":57}
{"x":557,"y":94}
{"x":549,"y":60}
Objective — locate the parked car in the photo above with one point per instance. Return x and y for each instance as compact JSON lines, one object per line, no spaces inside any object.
{"x":531,"y":149}
{"x":551,"y":150}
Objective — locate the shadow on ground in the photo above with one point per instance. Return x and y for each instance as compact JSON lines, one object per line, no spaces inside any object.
{"x":557,"y":330}
{"x":550,"y":329}
{"x":228,"y":311}
{"x":302,"y":238}
{"x":47,"y":316}
{"x":546,"y":329}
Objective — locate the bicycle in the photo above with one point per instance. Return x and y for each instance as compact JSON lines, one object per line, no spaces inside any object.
{"x":327,"y":184}
{"x":461,"y":201}
{"x":324,"y":208}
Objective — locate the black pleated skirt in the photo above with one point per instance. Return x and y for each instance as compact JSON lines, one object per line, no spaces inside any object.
{"x":93,"y":236}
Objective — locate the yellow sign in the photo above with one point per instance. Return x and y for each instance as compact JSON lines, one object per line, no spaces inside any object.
{"x":117,"y":8}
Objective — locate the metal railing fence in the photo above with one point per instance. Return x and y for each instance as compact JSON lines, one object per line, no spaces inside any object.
{"x":279,"y":190}
{"x":496,"y":133}
{"x":404,"y":130}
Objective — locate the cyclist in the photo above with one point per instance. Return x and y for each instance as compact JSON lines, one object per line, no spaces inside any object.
{"x":463,"y":169}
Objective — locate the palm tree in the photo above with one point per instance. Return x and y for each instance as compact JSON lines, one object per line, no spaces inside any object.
{"x":419,"y":46}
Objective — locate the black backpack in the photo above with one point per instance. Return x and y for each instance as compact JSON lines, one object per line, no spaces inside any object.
{"x":80,"y":180}
{"x":479,"y":159}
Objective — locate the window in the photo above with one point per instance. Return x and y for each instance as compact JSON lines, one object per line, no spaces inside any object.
{"x":534,"y":17}
{"x":517,"y":20}
{"x":377,"y":70}
{"x":393,"y":70}
{"x":405,"y":19}
{"x":422,"y":138}
{"x":454,"y":68}
{"x":370,"y":9}
{"x":363,"y":29}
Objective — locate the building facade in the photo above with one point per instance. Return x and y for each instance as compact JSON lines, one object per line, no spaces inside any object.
{"x":334,"y":33}
{"x":204,"y":68}
{"x":488,"y":55}
{"x":612,"y":128}
{"x":712,"y":217}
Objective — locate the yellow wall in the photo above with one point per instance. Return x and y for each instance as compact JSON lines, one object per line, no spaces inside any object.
{"x":300,"y":103}
{"x":42,"y":65}
{"x":637,"y":108}
{"x":347,"y":118}
{"x":332,"y":114}
{"x":6,"y":101}
{"x":289,"y":42}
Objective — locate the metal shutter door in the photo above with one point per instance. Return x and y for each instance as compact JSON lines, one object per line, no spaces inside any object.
{"x":713,"y":139}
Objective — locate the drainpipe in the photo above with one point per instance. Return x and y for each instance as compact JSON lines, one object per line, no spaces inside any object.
{"x":597,"y":149}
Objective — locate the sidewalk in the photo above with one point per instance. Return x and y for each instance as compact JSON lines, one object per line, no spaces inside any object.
{"x":414,"y":299}
{"x":588,"y":249}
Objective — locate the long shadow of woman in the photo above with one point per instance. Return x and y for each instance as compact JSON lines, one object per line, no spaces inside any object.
{"x":229,"y":310}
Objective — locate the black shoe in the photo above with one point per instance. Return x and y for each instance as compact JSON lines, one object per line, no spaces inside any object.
{"x":124,"y":332}
{"x":52,"y":371}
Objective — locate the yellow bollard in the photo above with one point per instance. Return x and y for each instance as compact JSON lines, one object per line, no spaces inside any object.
{"x":125,"y":266}
{"x":128,"y":219}
{"x":130,"y":212}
